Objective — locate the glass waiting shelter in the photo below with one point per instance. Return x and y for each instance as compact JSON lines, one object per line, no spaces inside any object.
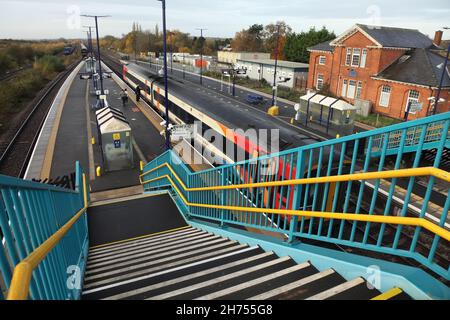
{"x":336,"y":115}
{"x":91,"y":65}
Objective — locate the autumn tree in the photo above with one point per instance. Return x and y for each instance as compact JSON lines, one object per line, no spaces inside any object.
{"x":276,"y":33}
{"x":250,"y":39}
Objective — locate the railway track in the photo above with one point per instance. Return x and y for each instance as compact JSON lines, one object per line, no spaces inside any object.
{"x":16,"y":152}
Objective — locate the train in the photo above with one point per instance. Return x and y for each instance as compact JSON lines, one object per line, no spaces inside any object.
{"x":84,"y":50}
{"x":187,"y":105}
{"x":68,"y":50}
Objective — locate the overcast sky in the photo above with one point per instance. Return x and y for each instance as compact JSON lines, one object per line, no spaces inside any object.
{"x":31,"y":19}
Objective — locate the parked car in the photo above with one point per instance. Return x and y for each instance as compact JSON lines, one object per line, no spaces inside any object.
{"x":254,"y":99}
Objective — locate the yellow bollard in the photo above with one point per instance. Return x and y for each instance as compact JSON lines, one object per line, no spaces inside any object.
{"x":292,"y":120}
{"x":273,"y":111}
{"x":141,"y":165}
{"x":98,"y":171}
{"x":93,"y":140}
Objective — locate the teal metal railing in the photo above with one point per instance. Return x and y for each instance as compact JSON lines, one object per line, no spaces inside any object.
{"x":357,"y":210}
{"x":30,"y":213}
{"x":433,"y":136}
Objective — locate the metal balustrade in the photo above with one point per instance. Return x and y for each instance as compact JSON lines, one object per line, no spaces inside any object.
{"x":44,"y":241}
{"x":328,"y":191}
{"x":433,"y":135}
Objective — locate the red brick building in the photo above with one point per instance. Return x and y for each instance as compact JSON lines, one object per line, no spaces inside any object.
{"x":389,"y":68}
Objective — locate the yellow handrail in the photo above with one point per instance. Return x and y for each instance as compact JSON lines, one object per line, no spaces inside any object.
{"x":419,"y":222}
{"x":389,"y":174}
{"x":23,"y":271}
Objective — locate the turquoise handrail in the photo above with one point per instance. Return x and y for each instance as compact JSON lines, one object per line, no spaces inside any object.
{"x":30,"y":213}
{"x":344,"y":155}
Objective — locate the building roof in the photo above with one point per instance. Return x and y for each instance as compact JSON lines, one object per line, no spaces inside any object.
{"x":389,"y":36}
{"x":281,"y":63}
{"x":334,"y":103}
{"x":324,"y":46}
{"x":420,"y":66}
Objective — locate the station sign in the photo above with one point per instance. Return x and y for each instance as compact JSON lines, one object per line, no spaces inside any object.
{"x":415,"y":106}
{"x":182,"y":131}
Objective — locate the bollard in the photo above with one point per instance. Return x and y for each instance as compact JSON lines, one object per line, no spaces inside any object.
{"x":93,"y":140}
{"x":273,"y":111}
{"x":292,"y":120}
{"x":98,"y":171}
{"x":141,"y":165}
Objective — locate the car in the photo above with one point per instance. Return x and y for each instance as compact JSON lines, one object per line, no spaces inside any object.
{"x":254,"y":99}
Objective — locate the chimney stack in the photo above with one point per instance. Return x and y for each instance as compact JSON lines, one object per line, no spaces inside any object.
{"x":438,"y":37}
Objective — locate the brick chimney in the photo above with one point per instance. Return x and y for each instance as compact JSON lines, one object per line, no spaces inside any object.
{"x":438,"y":37}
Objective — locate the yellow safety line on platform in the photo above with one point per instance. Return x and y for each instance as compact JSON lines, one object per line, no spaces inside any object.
{"x":20,"y":282}
{"x":419,"y":222}
{"x":388,"y":294}
{"x":140,"y":237}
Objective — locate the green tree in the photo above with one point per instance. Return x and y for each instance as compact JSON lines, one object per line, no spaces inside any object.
{"x":297,"y":44}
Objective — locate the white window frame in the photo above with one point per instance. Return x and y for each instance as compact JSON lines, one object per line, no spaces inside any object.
{"x":319,"y":80}
{"x":385,"y":96}
{"x":362,"y":63}
{"x":348,"y":57}
{"x":356,"y":53}
{"x":344,"y":88}
{"x":322,"y":60}
{"x":414,"y":98}
{"x":358,"y":90}
{"x":351,"y":90}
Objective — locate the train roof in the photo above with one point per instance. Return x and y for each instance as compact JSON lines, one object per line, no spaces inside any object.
{"x":235,"y":116}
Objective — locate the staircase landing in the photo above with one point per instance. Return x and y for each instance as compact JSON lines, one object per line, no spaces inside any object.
{"x":127,"y":218}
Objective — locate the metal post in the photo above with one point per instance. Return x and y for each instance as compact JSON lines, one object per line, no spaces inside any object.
{"x":166,"y":98}
{"x":441,"y":82}
{"x":234,"y":83}
{"x":407,"y":111}
{"x":201,"y":55}
{"x":276,"y":65}
{"x":184,"y":65}
{"x":99,"y":58}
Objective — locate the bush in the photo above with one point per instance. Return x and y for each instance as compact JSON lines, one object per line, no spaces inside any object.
{"x":6,"y":63}
{"x":49,"y":65}
{"x":16,"y":93}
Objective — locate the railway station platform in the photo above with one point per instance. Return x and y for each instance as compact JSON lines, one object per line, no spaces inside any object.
{"x":72,"y":128}
{"x":172,"y":231}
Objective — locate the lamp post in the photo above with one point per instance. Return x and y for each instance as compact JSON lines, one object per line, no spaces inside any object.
{"x":201,"y":55}
{"x":274,"y":88}
{"x":98,"y":49}
{"x":166,"y":98}
{"x":90,"y":40}
{"x":441,"y":82}
{"x":184,"y":65}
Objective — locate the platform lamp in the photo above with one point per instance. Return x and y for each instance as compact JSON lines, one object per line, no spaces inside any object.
{"x":441,"y":82}
{"x":201,"y":55}
{"x":274,"y":87}
{"x":166,"y":92}
{"x":90,"y":39}
{"x":102,"y":91}
{"x":91,"y":53}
